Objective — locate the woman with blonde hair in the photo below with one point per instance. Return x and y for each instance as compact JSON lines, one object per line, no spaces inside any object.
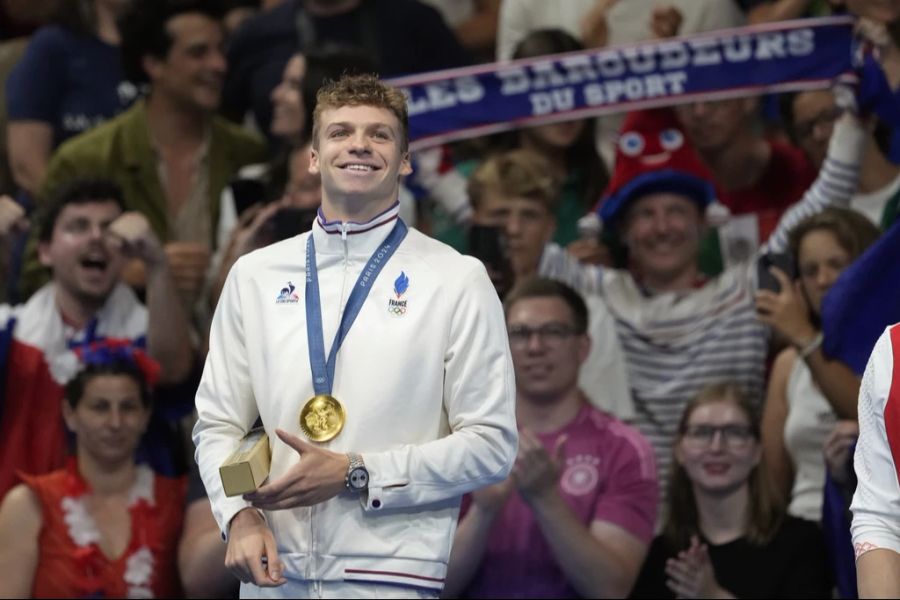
{"x":725,"y":533}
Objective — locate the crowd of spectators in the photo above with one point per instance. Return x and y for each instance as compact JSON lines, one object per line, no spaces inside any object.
{"x":680,"y":422}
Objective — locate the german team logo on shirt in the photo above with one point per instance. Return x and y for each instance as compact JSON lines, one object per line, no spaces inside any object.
{"x":396,"y":306}
{"x":287,"y":295}
{"x":580,"y":475}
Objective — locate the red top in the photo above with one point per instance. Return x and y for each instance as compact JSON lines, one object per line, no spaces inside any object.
{"x":786,"y":178}
{"x":68,"y":570}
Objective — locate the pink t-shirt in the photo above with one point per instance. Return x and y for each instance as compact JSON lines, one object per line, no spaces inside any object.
{"x":609,"y":475}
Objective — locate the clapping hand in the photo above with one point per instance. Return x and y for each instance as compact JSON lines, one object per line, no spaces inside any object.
{"x":691,"y":573}
{"x":536,"y":472}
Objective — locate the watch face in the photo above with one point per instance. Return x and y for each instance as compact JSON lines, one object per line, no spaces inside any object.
{"x":359,"y":479}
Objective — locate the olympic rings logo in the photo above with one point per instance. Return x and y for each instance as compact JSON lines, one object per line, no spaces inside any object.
{"x":397,"y":310}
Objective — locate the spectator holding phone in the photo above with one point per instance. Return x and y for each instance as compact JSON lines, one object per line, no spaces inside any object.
{"x":293,"y":101}
{"x":513,"y":196}
{"x":567,"y":148}
{"x":808,"y":392}
{"x":261,"y":224}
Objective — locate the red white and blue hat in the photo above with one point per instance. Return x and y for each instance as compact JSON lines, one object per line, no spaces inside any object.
{"x":653,"y":155}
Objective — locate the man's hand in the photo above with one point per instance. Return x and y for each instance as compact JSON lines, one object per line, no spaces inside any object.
{"x":837,"y":449}
{"x":665,"y":21}
{"x":537,"y":471}
{"x":12,"y":217}
{"x":132,"y":235}
{"x":787,"y":311}
{"x":249,"y":542}
{"x":188,"y":262}
{"x":594,"y":24}
{"x":243,"y":238}
{"x":590,"y":252}
{"x":317,"y":476}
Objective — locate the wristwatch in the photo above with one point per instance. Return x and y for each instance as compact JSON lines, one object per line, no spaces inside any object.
{"x":357,"y":479}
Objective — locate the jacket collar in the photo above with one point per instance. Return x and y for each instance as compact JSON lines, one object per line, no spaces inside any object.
{"x":338,"y":237}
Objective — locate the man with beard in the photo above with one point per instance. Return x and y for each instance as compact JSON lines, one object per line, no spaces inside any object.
{"x":85,"y":239}
{"x":169,"y":153}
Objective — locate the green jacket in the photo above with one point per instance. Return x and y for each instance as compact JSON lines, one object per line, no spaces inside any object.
{"x":120,"y":150}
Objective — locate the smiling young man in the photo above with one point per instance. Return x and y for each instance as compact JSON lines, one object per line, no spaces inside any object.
{"x":681,"y":332}
{"x":576,"y":517}
{"x":84,"y":306}
{"x":413,"y":406}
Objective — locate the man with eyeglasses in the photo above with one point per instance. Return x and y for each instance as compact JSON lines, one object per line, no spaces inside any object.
{"x":577,"y":514}
{"x":810,"y":117}
{"x":754,"y":175}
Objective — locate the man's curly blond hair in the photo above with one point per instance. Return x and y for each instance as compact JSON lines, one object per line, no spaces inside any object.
{"x":361,"y":90}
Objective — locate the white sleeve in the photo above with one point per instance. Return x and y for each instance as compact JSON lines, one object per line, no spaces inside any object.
{"x":558,"y":264}
{"x":512,"y":26}
{"x":226,"y":407}
{"x":835,"y":185}
{"x":479,"y":399}
{"x":876,"y":502}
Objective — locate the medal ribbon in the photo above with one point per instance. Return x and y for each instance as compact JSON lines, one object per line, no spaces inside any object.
{"x":322,"y":370}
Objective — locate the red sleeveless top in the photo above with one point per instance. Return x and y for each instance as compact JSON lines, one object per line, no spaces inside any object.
{"x":70,"y":562}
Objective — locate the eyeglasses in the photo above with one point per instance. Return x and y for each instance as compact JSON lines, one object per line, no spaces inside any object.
{"x":733,"y":435}
{"x":551,"y":335}
{"x":824,"y":119}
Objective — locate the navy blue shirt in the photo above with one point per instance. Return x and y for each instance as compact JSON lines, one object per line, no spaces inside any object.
{"x":71,"y":82}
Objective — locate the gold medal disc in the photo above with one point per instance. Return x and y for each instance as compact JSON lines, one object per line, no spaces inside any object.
{"x":322,"y":418}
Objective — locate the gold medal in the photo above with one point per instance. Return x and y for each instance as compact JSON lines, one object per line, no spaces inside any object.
{"x":322,"y":418}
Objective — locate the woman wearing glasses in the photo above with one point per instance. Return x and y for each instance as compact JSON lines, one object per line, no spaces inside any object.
{"x":725,"y":535}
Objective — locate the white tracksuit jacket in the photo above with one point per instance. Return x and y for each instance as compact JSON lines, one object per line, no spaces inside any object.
{"x":429,"y":396}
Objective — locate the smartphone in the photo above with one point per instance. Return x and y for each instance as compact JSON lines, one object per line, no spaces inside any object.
{"x":487,"y":243}
{"x":290,"y":221}
{"x":246,"y":193}
{"x":782,"y":260}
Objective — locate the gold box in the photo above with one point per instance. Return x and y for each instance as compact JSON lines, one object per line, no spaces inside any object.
{"x":248,"y":466}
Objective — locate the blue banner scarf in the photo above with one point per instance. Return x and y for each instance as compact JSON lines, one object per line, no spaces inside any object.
{"x":787,"y":56}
